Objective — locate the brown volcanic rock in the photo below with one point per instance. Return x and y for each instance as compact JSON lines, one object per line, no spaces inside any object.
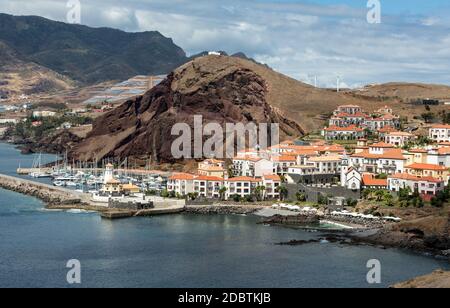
{"x":221,"y":89}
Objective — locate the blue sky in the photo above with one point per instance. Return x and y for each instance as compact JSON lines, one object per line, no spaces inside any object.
{"x":302,"y":39}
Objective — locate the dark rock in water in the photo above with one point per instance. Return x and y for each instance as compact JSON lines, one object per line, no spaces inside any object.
{"x":26,"y":150}
{"x":437,"y":242}
{"x":298,"y":242}
{"x":298,"y":220}
{"x":417,"y":232}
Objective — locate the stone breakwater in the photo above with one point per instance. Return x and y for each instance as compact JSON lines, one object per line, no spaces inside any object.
{"x":52,"y":196}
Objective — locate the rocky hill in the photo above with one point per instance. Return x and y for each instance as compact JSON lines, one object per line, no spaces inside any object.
{"x":19,"y":76}
{"x":89,"y":55}
{"x":222,"y":89}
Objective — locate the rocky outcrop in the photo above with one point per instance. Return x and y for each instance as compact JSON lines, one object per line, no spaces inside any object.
{"x":295,"y":220}
{"x":222,"y":209}
{"x":438,"y":279}
{"x":220,"y":89}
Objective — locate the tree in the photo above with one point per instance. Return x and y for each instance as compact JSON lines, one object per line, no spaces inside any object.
{"x":300,"y":197}
{"x":380,"y":195}
{"x":222,"y":192}
{"x":165,"y":193}
{"x":389,"y":199}
{"x":428,"y":117}
{"x":282,"y":191}
{"x":351,"y":202}
{"x":259,"y":192}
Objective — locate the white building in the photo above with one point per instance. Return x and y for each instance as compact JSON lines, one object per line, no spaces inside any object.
{"x":379,"y":158}
{"x":43,"y":114}
{"x":399,"y":139}
{"x":252,"y":166}
{"x":440,"y":133}
{"x":423,"y":185}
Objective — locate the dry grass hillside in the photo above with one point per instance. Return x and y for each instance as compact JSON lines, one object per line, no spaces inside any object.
{"x":310,"y":106}
{"x":407,"y":91}
{"x":18,"y":76}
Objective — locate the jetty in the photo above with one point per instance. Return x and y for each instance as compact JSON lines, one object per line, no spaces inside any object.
{"x":66,"y":199}
{"x":47,"y":193}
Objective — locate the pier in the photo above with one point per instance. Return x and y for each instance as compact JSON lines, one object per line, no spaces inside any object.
{"x":47,"y":193}
{"x":66,"y":199}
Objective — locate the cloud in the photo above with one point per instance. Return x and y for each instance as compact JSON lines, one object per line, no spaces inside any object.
{"x":297,"y":38}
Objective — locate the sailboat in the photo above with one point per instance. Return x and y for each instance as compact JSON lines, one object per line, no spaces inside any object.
{"x":37,"y":164}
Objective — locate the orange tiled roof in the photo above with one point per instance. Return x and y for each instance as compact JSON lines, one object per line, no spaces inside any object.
{"x":273,"y":177}
{"x":390,"y":154}
{"x":410,"y":177}
{"x":370,"y":180}
{"x":182,"y":176}
{"x":284,"y":158}
{"x":444,"y":151}
{"x":426,"y":167}
{"x":441,"y":126}
{"x":208,"y":178}
{"x":382,"y":145}
{"x":418,"y":151}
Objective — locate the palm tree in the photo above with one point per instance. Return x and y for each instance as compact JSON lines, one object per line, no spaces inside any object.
{"x":282,"y":191}
{"x":222,"y":192}
{"x":259,"y":192}
{"x":380,"y":195}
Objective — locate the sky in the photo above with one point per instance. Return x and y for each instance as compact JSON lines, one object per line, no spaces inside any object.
{"x":302,"y":39}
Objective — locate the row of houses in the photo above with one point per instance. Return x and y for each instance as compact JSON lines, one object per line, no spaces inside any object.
{"x":216,"y":187}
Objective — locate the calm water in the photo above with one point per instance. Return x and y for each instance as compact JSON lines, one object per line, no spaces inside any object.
{"x":175,"y":251}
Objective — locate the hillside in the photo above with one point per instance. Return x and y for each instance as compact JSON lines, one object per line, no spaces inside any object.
{"x":407,"y":91}
{"x":221,"y":89}
{"x":89,"y":55}
{"x":18,"y":76}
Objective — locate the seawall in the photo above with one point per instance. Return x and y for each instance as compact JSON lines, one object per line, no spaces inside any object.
{"x":50,"y":195}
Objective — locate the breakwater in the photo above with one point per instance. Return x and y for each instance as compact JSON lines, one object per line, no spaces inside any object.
{"x":52,"y":196}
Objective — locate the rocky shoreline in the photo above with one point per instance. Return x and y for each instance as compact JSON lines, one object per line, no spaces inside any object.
{"x":222,"y":209}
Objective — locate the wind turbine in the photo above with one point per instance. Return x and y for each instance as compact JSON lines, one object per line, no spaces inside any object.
{"x":338,"y":83}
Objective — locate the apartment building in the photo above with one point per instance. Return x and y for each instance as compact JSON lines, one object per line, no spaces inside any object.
{"x":428,"y":170}
{"x":440,"y":133}
{"x":426,"y":186}
{"x":251,"y":166}
{"x":212,"y":167}
{"x":399,"y":139}
{"x":351,"y":132}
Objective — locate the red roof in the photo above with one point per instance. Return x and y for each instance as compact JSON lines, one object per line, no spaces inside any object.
{"x":208,"y":178}
{"x":382,"y":145}
{"x":410,"y":177}
{"x":272,"y":177}
{"x":427,"y":167}
{"x":441,"y":126}
{"x":370,"y":180}
{"x":388,"y":154}
{"x":182,"y":176}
